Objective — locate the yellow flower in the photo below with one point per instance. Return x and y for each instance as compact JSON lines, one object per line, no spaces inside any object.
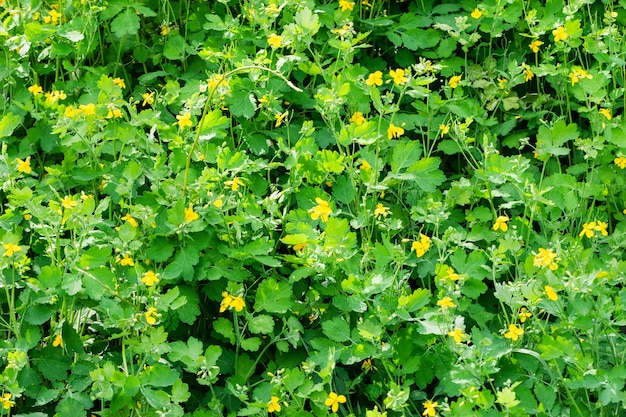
{"x":11,"y":248}
{"x":444,"y":129}
{"x":528,"y":73}
{"x":346,"y":5}
{"x":394,"y":131}
{"x":534,"y":45}
{"x":601,"y":227}
{"x":71,"y":112}
{"x":578,"y":74}
{"x":190,"y":215}
{"x":514,"y":332}
{"x":545,"y":257}
{"x":280,"y":117}
{"x":398,"y":76}
{"x":322,"y":210}
{"x":451,"y":275}
{"x":552,"y":295}
{"x":275,"y":41}
{"x":458,"y":335}
{"x":114,"y":112}
{"x":6,"y":401}
{"x":151,"y":316}
{"x":477,"y":13}
{"x":54,"y":96}
{"x":218,"y":203}
{"x":35,"y":89}
{"x":126,"y":261}
{"x":421,"y":246}
{"x":148,"y":98}
{"x":68,"y":202}
{"x":502,"y":82}
{"x":58,"y":341}
{"x":501,"y":223}
{"x":524,"y":314}
{"x":602,"y":274}
{"x":273,"y":406}
{"x":23,"y":166}
{"x":365,"y":166}
{"x":357,"y":118}
{"x":230,"y":301}
{"x":430,"y":408}
{"x":234,"y":184}
{"x":454,"y":81}
{"x":333,"y":401}
{"x":130,"y":220}
{"x":588,"y":229}
{"x":381,"y":210}
{"x":620,"y":161}
{"x":606,"y":113}
{"x":560,"y":34}
{"x":445,"y":303}
{"x":88,"y":109}
{"x":150,"y":278}
{"x":165,"y":29}
{"x":184,"y":120}
{"x":119,"y":82}
{"x":375,"y":78}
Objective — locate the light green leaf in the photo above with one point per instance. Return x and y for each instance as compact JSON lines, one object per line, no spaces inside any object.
{"x":336,"y":329}
{"x":125,"y":23}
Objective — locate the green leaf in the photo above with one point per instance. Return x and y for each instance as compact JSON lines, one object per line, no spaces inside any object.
{"x":251,"y":344}
{"x":405,"y":154}
{"x":38,"y":314}
{"x":50,"y":276}
{"x":159,"y":375}
{"x":189,"y":310}
{"x":551,"y":141}
{"x":160,"y":249}
{"x":189,"y":353}
{"x":336,"y":329}
{"x":241,"y":102}
{"x":95,"y":257}
{"x":261,"y":324}
{"x":180,"y":392}
{"x":418,"y":299}
{"x":273,"y":296}
{"x":8,"y":123}
{"x":225,"y":328}
{"x":174,"y":48}
{"x":182,"y":264}
{"x":427,"y":174}
{"x":343,"y":190}
{"x":126,"y":23}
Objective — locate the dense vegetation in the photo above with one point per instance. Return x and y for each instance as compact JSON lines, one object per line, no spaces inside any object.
{"x":305,"y":208}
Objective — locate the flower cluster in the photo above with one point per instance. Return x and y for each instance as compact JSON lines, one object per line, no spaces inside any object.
{"x":232,"y":302}
{"x":589,"y":229}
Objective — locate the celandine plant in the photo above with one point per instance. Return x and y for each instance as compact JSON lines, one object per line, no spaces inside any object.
{"x":356,"y":208}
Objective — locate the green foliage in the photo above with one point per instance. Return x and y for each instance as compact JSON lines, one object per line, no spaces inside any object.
{"x":244,"y":208}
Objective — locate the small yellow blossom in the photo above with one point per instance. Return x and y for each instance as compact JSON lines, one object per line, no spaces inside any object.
{"x":502,"y":82}
{"x":280,"y":117}
{"x":23,"y":165}
{"x":346,"y":5}
{"x":184,"y":120}
{"x":501,"y":223}
{"x":35,"y":89}
{"x":444,"y":129}
{"x":68,"y":202}
{"x":560,"y":34}
{"x":10,"y":249}
{"x":234,"y":184}
{"x":357,"y":118}
{"x":381,"y":210}
{"x":375,"y":78}
{"x":588,"y":229}
{"x":148,"y":98}
{"x":88,"y":109}
{"x":534,"y":45}
{"x":445,"y":303}
{"x":54,"y":96}
{"x":606,"y":113}
{"x":334,"y":400}
{"x":528,"y":73}
{"x":215,"y":80}
{"x":53,"y":17}
{"x":514,"y":332}
{"x":602,"y":274}
{"x":71,"y":112}
{"x":398,"y":76}
{"x":231,"y":301}
{"x":524,"y":314}
{"x":114,"y":112}
{"x":394,"y":132}
{"x":7,"y":402}
{"x":58,"y":341}
{"x":578,"y":74}
{"x":620,"y":161}
{"x":165,"y":29}
{"x":552,"y":295}
{"x":150,"y":278}
{"x":151,"y":316}
{"x":365,"y":166}
{"x":126,"y":260}
{"x":119,"y":82}
{"x":421,"y":246}
{"x":430,"y":408}
{"x":321,"y":211}
{"x":452,"y":275}
{"x":275,"y":41}
{"x":273,"y":406}
{"x":454,"y":81}
{"x":130,"y":220}
{"x":218,"y":203}
{"x":601,"y":227}
{"x":477,"y":13}
{"x":546,"y":258}
{"x":458,"y":335}
{"x":190,"y":215}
